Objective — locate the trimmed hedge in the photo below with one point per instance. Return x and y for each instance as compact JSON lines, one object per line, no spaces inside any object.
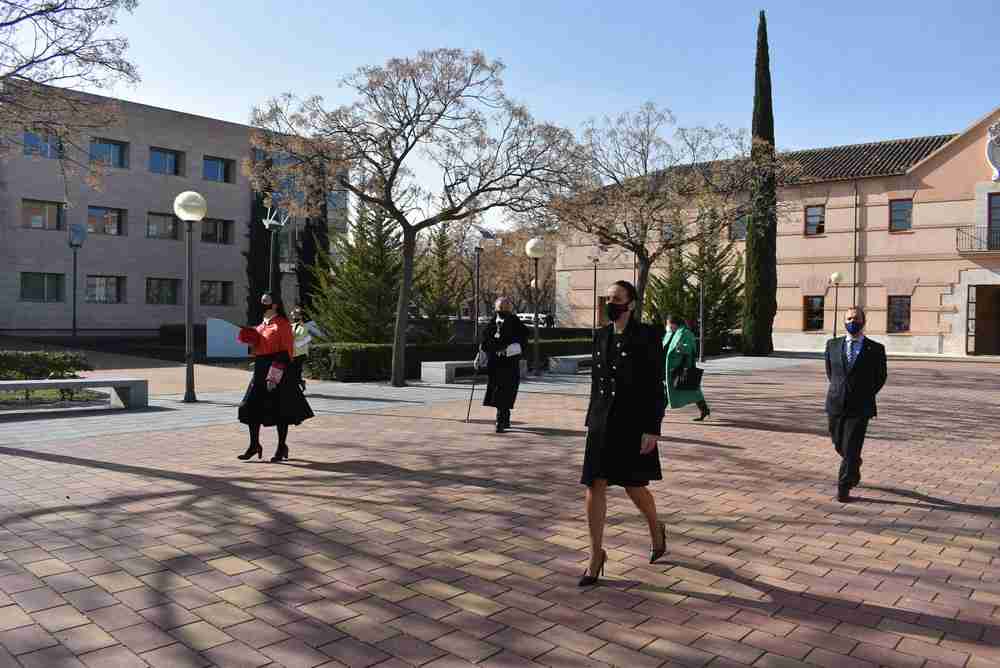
{"x":354,"y":362}
{"x":39,"y":365}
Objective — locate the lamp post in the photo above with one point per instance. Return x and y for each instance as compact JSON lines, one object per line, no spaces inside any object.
{"x":77,"y":235}
{"x":596,"y":259}
{"x":835,"y":278}
{"x":273,"y":225}
{"x":484,"y":234}
{"x":190,"y":207}
{"x":535,"y":249}
{"x":701,"y":320}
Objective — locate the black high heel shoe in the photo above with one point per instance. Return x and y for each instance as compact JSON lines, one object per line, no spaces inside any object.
{"x":251,"y":451}
{"x":657,"y":552}
{"x":281,"y":454}
{"x":589,"y":580}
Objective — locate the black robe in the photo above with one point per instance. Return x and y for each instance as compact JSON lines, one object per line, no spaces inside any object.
{"x":626,"y":401}
{"x":504,"y":372}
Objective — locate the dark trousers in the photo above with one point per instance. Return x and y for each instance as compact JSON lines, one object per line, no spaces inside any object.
{"x":848,"y":436}
{"x":503,"y":417}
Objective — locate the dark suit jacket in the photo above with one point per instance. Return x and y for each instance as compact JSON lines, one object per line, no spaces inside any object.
{"x":504,"y":372}
{"x":852,"y":391}
{"x":630,"y":376}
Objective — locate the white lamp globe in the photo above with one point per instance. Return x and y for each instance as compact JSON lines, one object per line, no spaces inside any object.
{"x":189,"y":205}
{"x":836,"y":277}
{"x":535,"y":248}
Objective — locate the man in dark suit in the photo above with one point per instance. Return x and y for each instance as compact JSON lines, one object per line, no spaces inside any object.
{"x":856,"y":369}
{"x":500,"y":351}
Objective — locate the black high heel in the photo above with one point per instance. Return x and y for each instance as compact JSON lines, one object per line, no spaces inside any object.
{"x":704,"y":414}
{"x":589,"y":580}
{"x":657,"y":552}
{"x":281,"y":454}
{"x":251,"y":451}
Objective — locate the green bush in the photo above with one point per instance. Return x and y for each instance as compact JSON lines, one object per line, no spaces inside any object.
{"x":352,"y":362}
{"x":37,"y":365}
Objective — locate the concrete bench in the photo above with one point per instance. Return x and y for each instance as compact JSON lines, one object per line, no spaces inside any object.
{"x":447,"y":372}
{"x":126,"y":392}
{"x":570,"y":364}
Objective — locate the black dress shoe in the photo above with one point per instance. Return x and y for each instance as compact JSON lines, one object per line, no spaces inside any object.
{"x":844,"y":497}
{"x":589,"y":580}
{"x":657,"y":552}
{"x":251,"y":451}
{"x":501,"y":428}
{"x":701,"y":418}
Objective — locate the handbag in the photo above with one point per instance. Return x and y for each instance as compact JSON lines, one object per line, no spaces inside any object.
{"x":275,"y":374}
{"x":688,"y":377}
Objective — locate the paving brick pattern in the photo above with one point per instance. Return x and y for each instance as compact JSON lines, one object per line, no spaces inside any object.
{"x":398,"y":535}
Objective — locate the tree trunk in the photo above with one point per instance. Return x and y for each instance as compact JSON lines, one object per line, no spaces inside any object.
{"x":403,"y":309}
{"x":642,"y":281}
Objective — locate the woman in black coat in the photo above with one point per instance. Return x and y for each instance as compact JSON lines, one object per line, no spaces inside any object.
{"x":623,"y":422}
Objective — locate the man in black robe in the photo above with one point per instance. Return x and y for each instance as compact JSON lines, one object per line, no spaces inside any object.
{"x":500,"y":350}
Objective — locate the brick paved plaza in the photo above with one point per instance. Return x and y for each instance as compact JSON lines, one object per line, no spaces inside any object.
{"x":399,"y":535}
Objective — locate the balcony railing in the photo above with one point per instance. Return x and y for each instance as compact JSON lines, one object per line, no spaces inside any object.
{"x":974,"y":239}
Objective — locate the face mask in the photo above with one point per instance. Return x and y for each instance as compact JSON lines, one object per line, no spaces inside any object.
{"x":853,"y":328}
{"x":614,"y":311}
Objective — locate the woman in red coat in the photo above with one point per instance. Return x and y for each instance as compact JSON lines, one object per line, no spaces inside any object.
{"x":273,"y":397}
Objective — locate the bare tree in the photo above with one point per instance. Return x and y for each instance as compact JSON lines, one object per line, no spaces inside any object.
{"x":443,"y":111}
{"x":49,"y":50}
{"x":645,"y":188}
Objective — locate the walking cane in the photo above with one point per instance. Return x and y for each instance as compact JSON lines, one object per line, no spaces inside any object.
{"x":471,"y":394}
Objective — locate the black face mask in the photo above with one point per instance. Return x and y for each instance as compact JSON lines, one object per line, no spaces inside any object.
{"x":614,"y":311}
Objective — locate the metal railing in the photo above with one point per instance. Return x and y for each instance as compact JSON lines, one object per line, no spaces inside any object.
{"x":973,"y":239}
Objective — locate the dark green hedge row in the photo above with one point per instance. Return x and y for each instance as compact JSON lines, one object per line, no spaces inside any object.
{"x":373,"y":361}
{"x":38,"y":365}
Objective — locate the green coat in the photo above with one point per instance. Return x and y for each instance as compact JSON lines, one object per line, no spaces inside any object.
{"x":681,"y":350}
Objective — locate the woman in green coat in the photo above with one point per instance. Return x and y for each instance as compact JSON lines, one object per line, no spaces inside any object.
{"x":678,"y":342}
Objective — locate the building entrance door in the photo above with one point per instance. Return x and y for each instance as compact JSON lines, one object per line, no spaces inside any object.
{"x":983,"y":320}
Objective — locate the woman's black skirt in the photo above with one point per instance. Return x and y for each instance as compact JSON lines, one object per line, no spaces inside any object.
{"x":614,"y":454}
{"x":285,"y":404}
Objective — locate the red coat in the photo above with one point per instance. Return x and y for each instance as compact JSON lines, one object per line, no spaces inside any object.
{"x":270,"y":337}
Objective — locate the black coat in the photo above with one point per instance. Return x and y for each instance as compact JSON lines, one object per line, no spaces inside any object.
{"x":852,"y":391}
{"x":504,"y":372}
{"x":285,"y":404}
{"x":626,"y":401}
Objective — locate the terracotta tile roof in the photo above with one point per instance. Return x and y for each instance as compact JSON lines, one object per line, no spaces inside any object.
{"x":882,"y":158}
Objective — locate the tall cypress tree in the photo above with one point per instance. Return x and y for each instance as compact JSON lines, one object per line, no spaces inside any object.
{"x":315,"y":241}
{"x":257,"y":256}
{"x":761,"y":302}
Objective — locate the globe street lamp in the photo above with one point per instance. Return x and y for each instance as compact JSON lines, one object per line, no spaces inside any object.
{"x":535,"y":249}
{"x":190,"y":207}
{"x":485,"y":235}
{"x":596,"y":259}
{"x":273,"y":225}
{"x":77,"y":235}
{"x":835,"y":278}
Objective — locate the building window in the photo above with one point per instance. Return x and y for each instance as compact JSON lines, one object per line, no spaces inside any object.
{"x":813,"y":314}
{"x":216,"y":293}
{"x":44,"y":145}
{"x":106,"y":289}
{"x":217,"y":231}
{"x":163,"y":291}
{"x":993,"y":223}
{"x":108,"y":152}
{"x":38,"y":215}
{"x":102,"y":220}
{"x":219,"y":169}
{"x":37,"y":287}
{"x":165,"y":161}
{"x":815,"y":220}
{"x":738,"y":229}
{"x":162,"y":226}
{"x":899,"y":315}
{"x":900,"y":215}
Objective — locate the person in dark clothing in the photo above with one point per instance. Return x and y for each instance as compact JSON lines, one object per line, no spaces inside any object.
{"x":500,"y":350}
{"x":623,"y":422}
{"x":856,"y":369}
{"x":273,"y":397}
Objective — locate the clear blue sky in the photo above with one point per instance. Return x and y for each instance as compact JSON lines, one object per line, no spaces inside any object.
{"x":842,"y":73}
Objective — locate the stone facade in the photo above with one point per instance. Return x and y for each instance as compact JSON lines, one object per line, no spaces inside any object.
{"x":950,"y":190}
{"x":139,"y":192}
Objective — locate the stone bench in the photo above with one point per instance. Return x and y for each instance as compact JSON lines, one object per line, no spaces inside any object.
{"x":447,"y":372}
{"x":570,"y":364}
{"x":126,"y":392}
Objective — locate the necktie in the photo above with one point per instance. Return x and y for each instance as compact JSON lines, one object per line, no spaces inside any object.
{"x":851,"y":353}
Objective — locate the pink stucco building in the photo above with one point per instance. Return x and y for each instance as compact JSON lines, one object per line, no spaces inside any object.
{"x":911,"y":225}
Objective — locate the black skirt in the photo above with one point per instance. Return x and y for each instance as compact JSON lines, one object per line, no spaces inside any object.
{"x":285,"y":404}
{"x":613,"y":454}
